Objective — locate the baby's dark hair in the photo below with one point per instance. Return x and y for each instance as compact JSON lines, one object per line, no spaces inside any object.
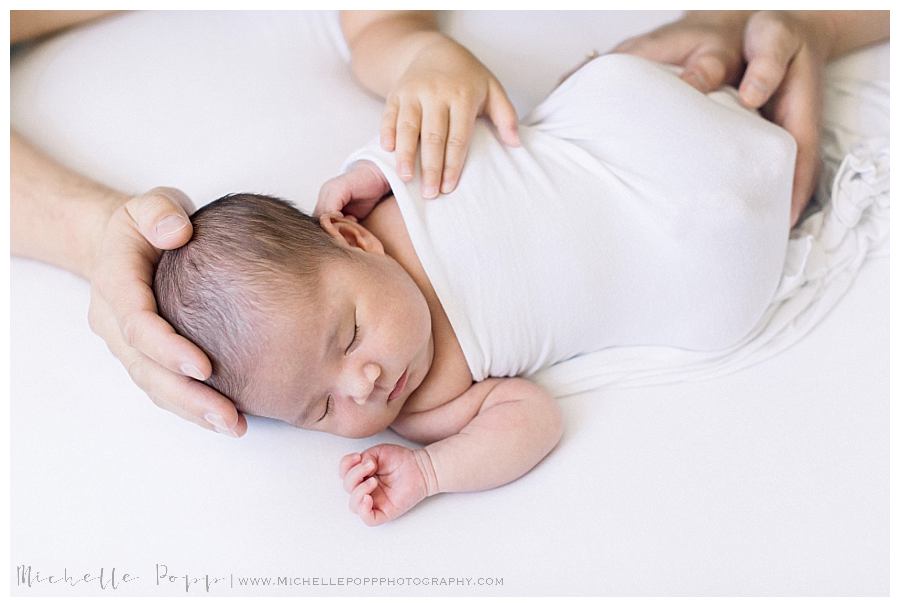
{"x":248,"y":254}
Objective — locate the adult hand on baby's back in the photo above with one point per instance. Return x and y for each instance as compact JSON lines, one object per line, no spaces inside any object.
{"x":355,"y":193}
{"x":123,"y":311}
{"x":784,"y":55}
{"x":384,"y":482}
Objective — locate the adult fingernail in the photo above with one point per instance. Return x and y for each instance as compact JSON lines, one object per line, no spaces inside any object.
{"x":169,"y":225}
{"x":189,"y":369}
{"x":696,"y":80}
{"x":429,"y":191}
{"x":219,"y":424}
{"x":753,"y":92}
{"x":405,"y":171}
{"x":446,"y":186}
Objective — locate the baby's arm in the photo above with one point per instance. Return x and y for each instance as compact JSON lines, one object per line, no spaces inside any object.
{"x":493,"y":433}
{"x":515,"y":425}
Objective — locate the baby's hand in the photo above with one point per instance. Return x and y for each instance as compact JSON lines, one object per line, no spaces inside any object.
{"x":438,"y":99}
{"x":355,"y":193}
{"x":383,"y":481}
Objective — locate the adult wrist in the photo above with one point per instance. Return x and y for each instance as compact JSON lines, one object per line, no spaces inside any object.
{"x":821,"y":31}
{"x":93,"y":230}
{"x":731,"y":19}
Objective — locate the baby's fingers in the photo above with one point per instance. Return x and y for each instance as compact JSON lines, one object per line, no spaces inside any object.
{"x":409,"y":121}
{"x":347,"y":462}
{"x":369,"y":514}
{"x":357,"y":473}
{"x":358,"y":495}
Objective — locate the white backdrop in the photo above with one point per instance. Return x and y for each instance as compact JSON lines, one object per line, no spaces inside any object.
{"x":773,"y":480}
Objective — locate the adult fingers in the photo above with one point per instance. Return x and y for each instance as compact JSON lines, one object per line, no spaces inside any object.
{"x":806,"y":174}
{"x":502,"y":113}
{"x":185,"y":397}
{"x":435,"y":120}
{"x":769,"y":46}
{"x":668,"y":44}
{"x":161,"y":217}
{"x":122,"y":279}
{"x":797,"y":107}
{"x":706,"y":69}
{"x":389,"y":124}
{"x":409,"y":122}
{"x":462,"y":123}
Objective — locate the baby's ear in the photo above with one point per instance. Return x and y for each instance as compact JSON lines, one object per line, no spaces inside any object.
{"x":348,"y":232}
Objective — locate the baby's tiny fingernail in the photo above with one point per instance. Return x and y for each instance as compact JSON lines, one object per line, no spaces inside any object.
{"x":189,"y":369}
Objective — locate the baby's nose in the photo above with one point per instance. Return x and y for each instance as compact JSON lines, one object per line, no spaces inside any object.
{"x":372,"y":372}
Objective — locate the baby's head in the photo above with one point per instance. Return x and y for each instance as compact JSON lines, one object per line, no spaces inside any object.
{"x":296,"y":314}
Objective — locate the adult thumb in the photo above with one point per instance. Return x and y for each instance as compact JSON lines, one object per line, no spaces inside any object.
{"x":161,"y":215}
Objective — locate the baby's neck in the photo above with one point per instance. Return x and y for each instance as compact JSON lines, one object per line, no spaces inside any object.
{"x":386,"y":223}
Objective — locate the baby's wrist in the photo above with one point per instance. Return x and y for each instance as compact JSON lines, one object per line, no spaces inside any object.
{"x":426,"y":467}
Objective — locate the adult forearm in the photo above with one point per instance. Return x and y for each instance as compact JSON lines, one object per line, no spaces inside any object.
{"x":57,"y":216}
{"x":499,"y":445}
{"x":384,"y":43}
{"x":851,"y":30}
{"x":841,"y":31}
{"x":24,"y":25}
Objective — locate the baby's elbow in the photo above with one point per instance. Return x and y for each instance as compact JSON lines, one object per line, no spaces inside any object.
{"x":549,"y":418}
{"x":555,"y":425}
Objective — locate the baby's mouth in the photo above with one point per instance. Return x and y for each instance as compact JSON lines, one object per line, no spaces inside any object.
{"x":400,"y":385}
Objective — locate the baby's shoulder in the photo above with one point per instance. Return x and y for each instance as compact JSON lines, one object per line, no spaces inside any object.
{"x":441,"y":416}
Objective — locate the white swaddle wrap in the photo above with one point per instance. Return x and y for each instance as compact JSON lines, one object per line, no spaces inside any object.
{"x":637,"y":212}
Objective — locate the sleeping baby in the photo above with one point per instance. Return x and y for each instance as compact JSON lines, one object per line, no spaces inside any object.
{"x":637,"y":211}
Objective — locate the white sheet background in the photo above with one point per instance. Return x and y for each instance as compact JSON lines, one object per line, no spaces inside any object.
{"x":772,"y":480}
